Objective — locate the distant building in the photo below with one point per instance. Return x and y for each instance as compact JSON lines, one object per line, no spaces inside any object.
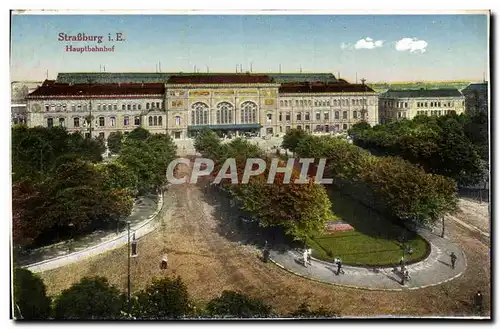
{"x":182,"y":104}
{"x":19,"y":91}
{"x":406,"y":104}
{"x":476,"y":97}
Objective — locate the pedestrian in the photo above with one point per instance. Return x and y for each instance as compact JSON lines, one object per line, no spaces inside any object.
{"x":405,"y":277}
{"x":339,"y":266}
{"x":309,"y":255}
{"x":453,"y":258}
{"x":265,"y":253}
{"x":478,"y":302}
{"x":164,"y":262}
{"x":305,"y":257}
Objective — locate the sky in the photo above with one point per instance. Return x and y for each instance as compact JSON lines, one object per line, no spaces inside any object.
{"x":374,"y":47}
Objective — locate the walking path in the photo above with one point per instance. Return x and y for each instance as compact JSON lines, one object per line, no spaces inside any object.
{"x":142,"y":222}
{"x":434,"y":270}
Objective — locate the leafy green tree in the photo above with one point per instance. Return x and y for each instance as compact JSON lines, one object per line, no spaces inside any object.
{"x":115,"y":142}
{"x":292,"y":139}
{"x":93,"y":298}
{"x":305,"y":311}
{"x":208,"y":144}
{"x":30,"y":298}
{"x":164,"y":298}
{"x":138,"y":134}
{"x":236,"y":304}
{"x":301,"y":209}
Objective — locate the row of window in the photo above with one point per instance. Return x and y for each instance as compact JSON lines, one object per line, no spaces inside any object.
{"x":101,"y":107}
{"x":435,"y":112}
{"x":318,"y":128}
{"x":335,"y":102}
{"x":419,"y":104}
{"x":224,"y":113}
{"x":326,"y":116}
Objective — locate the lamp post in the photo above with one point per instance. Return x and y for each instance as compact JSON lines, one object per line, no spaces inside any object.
{"x":128,"y":276}
{"x":71,"y":225}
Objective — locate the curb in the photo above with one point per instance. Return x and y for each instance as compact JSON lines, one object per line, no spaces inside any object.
{"x":85,"y":253}
{"x":378,"y":289}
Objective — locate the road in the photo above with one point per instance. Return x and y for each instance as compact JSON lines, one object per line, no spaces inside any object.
{"x":210,"y":256}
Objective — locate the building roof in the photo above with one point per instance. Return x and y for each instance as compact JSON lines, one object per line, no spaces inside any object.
{"x":324,"y":88}
{"x":51,"y":88}
{"x":422,"y":93}
{"x":476,"y":86}
{"x":142,"y":77}
{"x":219,"y":78}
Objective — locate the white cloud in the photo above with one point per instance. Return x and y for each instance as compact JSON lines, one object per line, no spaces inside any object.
{"x":411,"y":44}
{"x":368,"y":43}
{"x":345,"y":46}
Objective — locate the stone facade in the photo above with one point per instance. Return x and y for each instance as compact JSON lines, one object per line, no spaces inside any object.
{"x":185,"y":104}
{"x":406,"y":104}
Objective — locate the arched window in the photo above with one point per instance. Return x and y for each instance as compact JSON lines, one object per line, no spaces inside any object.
{"x":150,"y":121}
{"x":248,"y":112}
{"x":147,"y":106}
{"x":155,"y":121}
{"x":224,"y":114}
{"x":199,"y":114}
{"x":177,"y":120}
{"x":160,"y":121}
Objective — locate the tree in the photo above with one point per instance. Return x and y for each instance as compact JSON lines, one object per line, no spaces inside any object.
{"x":292,"y":139}
{"x":208,"y":144}
{"x":30,"y":298}
{"x":115,"y":142}
{"x":236,"y":304}
{"x":138,"y":134}
{"x":93,"y":298}
{"x":164,"y":298}
{"x":304,"y":311}
{"x":301,"y":209}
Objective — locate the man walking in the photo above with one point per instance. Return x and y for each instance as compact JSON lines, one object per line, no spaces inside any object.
{"x":453,"y":259}
{"x":339,"y":266}
{"x":478,"y":302}
{"x":164,"y":262}
{"x":309,"y":255}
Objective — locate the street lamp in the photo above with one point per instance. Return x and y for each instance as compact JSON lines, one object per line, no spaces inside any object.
{"x":71,"y":225}
{"x":128,"y":276}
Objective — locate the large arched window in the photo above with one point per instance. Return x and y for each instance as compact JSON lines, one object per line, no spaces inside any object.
{"x":248,"y":112}
{"x":199,"y":114}
{"x":224,"y":113}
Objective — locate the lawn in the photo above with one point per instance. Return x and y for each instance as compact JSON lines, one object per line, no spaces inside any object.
{"x":375,"y":240}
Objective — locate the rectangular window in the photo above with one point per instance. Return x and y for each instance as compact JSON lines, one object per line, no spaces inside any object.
{"x":101,"y":121}
{"x":115,"y":107}
{"x":326,"y":115}
{"x":134,"y":107}
{"x":50,"y":122}
{"x":280,"y":117}
{"x":355,"y":114}
{"x":112,"y":121}
{"x":62,"y":122}
{"x":344,"y":126}
{"x":308,"y":128}
{"x":318,"y":115}
{"x":129,"y":107}
{"x":123,"y":107}
{"x":301,"y":102}
{"x":76,"y":122}
{"x":98,"y":107}
{"x":308,"y":116}
{"x":126,"y":121}
{"x":344,"y":115}
{"x":47,"y":107}
{"x":299,"y":116}
{"x":101,"y":135}
{"x":72,"y":108}
{"x":287,"y":116}
{"x":137,"y":120}
{"x":157,"y":105}
{"x":337,"y":115}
